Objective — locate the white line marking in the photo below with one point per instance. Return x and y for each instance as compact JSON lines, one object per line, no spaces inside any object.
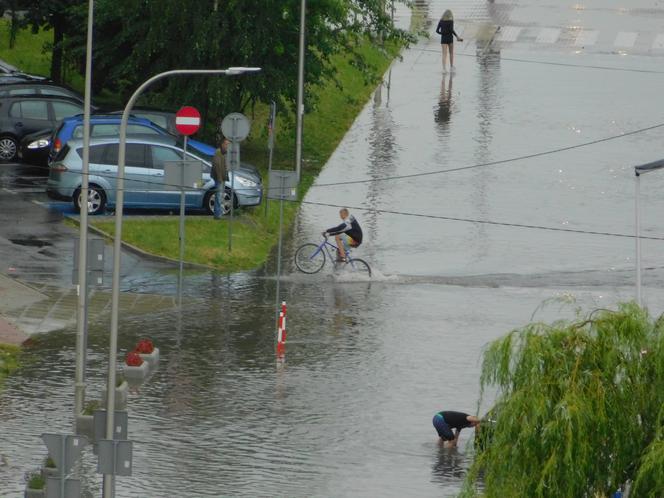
{"x":184,"y":120}
{"x":625,"y":39}
{"x":586,"y":38}
{"x":658,"y":44}
{"x":548,"y":35}
{"x":10,"y":191}
{"x":509,"y":33}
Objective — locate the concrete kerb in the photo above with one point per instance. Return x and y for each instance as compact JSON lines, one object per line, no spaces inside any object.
{"x":140,"y":252}
{"x":15,"y":294}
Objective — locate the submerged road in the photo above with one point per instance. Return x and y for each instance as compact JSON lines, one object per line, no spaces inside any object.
{"x":549,"y":110}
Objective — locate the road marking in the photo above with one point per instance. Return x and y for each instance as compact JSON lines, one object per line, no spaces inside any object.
{"x":625,"y":39}
{"x":658,"y":44}
{"x":509,"y":33}
{"x":548,"y":35}
{"x":10,"y":191}
{"x":586,"y":38}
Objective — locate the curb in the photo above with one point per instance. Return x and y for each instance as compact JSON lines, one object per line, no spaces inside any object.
{"x":140,"y":252}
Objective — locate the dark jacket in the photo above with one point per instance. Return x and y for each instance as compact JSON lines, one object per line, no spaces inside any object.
{"x":219,"y":172}
{"x":350,"y":227}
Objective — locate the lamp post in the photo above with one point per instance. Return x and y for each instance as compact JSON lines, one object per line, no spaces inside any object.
{"x":638,"y":171}
{"x":82,"y":318}
{"x":117,"y":243}
{"x":300,"y":92}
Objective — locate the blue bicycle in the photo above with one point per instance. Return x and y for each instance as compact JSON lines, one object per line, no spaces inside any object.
{"x":310,"y":258}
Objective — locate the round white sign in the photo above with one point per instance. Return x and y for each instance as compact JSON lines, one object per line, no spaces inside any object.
{"x":235,"y":126}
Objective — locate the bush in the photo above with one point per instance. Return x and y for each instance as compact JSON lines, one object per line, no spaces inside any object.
{"x":144,"y":346}
{"x":133,"y":360}
{"x":35,"y":480}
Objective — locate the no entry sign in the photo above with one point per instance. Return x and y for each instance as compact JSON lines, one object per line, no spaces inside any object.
{"x":187,"y":120}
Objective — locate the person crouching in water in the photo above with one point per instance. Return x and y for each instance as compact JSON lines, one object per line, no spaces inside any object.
{"x":445,"y":421}
{"x":347,"y":234}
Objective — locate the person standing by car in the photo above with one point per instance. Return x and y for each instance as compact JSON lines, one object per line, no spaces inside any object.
{"x":219,"y":174}
{"x":446,"y":31}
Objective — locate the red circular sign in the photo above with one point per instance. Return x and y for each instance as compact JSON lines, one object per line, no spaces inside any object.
{"x":187,"y":120}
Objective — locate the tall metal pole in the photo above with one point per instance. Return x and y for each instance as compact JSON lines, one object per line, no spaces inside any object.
{"x":300,"y":92}
{"x":117,"y":244}
{"x":81,"y":328}
{"x":182,"y":203}
{"x":281,"y":221}
{"x":637,"y":207}
{"x":270,"y":143}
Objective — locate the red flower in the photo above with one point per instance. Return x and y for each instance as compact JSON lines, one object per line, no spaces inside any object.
{"x":134,"y":360}
{"x":144,"y":346}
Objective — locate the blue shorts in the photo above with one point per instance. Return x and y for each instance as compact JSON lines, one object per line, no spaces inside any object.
{"x":443,"y":430}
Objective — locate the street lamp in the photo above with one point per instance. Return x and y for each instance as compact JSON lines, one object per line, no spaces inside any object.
{"x":117,"y":243}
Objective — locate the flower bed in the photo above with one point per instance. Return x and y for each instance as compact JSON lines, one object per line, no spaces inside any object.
{"x":147,"y":351}
{"x":135,"y":368}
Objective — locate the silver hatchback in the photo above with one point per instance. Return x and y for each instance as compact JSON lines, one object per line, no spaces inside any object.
{"x":144,"y":186}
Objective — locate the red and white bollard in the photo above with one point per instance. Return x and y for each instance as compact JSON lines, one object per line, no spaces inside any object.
{"x":281,"y":330}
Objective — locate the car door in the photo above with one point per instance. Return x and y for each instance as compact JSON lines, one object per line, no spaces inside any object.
{"x":63,"y":109}
{"x":136,"y":174}
{"x":160,"y":195}
{"x":29,"y":115}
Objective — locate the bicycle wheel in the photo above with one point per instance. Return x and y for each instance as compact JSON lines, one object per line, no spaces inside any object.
{"x":309,"y":258}
{"x":360,"y":266}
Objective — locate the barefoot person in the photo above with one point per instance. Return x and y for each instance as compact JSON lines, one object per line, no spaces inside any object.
{"x":347,"y":234}
{"x":447,"y":34}
{"x":445,"y":421}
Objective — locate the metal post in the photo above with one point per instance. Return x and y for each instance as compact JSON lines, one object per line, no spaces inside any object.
{"x":281,"y":219}
{"x":63,"y":459}
{"x":270,"y":143}
{"x":300,"y":92}
{"x":637,"y":206}
{"x":182,"y":202}
{"x":81,"y":328}
{"x":117,"y":244}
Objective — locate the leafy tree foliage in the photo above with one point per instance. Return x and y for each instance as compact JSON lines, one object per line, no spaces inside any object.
{"x":580,"y":410}
{"x":136,"y":39}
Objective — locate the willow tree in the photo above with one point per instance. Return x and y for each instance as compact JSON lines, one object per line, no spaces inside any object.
{"x":579,"y":410}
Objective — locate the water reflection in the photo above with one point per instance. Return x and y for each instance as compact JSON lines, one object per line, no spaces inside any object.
{"x":443,"y":111}
{"x":450,"y":465}
{"x":488,"y":111}
{"x":382,"y":154}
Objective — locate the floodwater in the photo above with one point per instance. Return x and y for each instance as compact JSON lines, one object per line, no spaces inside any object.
{"x":459,"y":258}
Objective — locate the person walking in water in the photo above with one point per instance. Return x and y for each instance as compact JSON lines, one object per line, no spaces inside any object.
{"x":447,"y":34}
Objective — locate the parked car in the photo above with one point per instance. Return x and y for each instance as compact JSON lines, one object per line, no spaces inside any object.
{"x":25,"y":114}
{"x":34,"y":148}
{"x":10,"y":71}
{"x":144,"y":176}
{"x":108,"y":125}
{"x":165,"y":119}
{"x":30,"y":87}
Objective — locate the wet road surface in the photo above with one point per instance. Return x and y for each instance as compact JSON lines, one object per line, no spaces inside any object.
{"x":470,"y":255}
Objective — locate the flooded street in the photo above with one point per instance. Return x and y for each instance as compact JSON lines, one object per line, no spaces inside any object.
{"x":534,"y":223}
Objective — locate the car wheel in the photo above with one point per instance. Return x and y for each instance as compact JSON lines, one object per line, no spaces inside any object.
{"x":8,"y":148}
{"x":96,"y":200}
{"x":208,"y":202}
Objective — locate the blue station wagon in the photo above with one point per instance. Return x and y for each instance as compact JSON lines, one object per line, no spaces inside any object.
{"x":144,"y":187}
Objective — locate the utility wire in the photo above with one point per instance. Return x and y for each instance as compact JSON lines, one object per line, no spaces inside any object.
{"x":483,"y":222}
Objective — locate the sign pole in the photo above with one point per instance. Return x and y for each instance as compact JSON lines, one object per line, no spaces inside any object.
{"x":270,"y":142}
{"x":281,"y":220}
{"x":182,"y":199}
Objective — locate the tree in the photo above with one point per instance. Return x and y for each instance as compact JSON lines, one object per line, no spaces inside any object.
{"x":135,"y":40}
{"x":55,"y":15}
{"x":579,"y":410}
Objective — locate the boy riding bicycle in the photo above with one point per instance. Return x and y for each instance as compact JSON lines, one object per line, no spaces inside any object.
{"x":348,"y":234}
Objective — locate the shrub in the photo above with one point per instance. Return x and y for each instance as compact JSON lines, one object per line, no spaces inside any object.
{"x":35,"y":480}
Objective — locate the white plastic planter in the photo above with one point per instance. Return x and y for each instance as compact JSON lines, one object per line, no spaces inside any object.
{"x":136,"y":373}
{"x":151,"y":358}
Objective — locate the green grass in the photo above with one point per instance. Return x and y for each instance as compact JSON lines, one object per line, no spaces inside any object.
{"x":28,"y":53}
{"x":255,"y":234}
